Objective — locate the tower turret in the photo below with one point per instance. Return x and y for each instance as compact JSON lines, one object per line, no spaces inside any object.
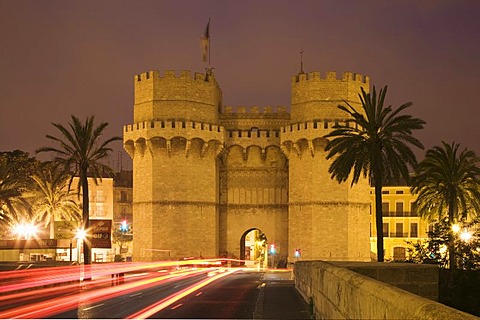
{"x":174,"y":143}
{"x":327,"y":220}
{"x":314,"y":97}
{"x":184,"y":97}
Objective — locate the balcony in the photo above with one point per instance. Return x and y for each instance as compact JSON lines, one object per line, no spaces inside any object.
{"x":398,"y":234}
{"x":403,"y":214}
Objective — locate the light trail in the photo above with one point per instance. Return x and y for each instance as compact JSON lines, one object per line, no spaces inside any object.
{"x":164,"y":303}
{"x":61,"y":285}
{"x":64,"y":289}
{"x":32,"y":278}
{"x":50,"y":307}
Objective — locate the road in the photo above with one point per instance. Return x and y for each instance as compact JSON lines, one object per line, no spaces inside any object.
{"x":153,"y":293}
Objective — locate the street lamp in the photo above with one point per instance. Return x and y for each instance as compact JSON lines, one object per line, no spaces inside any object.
{"x":455,"y":228}
{"x":81,"y":235}
{"x":465,"y":236}
{"x":25,"y":230}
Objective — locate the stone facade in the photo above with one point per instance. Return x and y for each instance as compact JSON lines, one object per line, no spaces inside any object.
{"x":206,"y":174}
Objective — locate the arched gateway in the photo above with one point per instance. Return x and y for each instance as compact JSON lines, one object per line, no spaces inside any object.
{"x":205,"y":174}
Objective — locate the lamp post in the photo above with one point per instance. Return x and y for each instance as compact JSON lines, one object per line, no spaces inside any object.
{"x":24,"y":231}
{"x":81,"y":234}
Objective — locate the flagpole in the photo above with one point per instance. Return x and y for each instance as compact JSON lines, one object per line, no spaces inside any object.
{"x":209,"y":43}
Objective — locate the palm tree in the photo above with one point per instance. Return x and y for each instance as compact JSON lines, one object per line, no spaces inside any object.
{"x":53,"y":198}
{"x":447,"y":185}
{"x":13,"y":205}
{"x":377,"y":146}
{"x":80,"y":152}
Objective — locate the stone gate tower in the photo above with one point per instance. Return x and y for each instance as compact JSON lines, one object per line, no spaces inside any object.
{"x":326,"y":219}
{"x":206,"y":174}
{"x":174,"y":143}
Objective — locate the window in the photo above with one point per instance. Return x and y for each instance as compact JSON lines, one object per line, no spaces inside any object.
{"x":385,"y":209}
{"x":385,"y":230}
{"x":399,"y":192}
{"x":99,"y":196}
{"x":399,"y":254}
{"x":99,"y":210}
{"x":414,"y":230}
{"x":123,"y":196}
{"x":399,"y":229}
{"x":399,"y":209}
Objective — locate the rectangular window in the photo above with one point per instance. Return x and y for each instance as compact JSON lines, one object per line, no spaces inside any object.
{"x":399,"y":229}
{"x":99,"y":210}
{"x":386,"y":209}
{"x":99,"y":196}
{"x":399,"y":192}
{"x":399,"y":209}
{"x":414,"y":230}
{"x":385,"y":230}
{"x":123,"y":196}
{"x":399,"y":254}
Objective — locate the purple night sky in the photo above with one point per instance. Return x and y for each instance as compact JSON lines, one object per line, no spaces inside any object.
{"x":59,"y":58}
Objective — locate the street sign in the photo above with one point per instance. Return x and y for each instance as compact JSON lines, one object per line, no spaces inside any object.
{"x":101,"y":233}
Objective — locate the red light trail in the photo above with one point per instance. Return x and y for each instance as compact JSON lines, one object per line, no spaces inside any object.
{"x":62,"y":290}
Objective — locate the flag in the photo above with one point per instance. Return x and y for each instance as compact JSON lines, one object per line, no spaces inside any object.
{"x":205,"y":42}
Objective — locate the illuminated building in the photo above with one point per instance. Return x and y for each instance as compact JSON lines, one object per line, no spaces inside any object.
{"x":401,"y":222}
{"x":205,"y":174}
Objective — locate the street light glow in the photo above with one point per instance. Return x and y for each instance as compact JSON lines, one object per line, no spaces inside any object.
{"x":81,"y":234}
{"x":455,"y":228}
{"x":25,"y":230}
{"x":466,"y":236}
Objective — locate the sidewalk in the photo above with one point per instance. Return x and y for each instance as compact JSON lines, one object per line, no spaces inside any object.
{"x":279,"y":299}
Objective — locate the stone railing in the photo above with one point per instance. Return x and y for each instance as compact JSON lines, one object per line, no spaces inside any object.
{"x":336,"y":292}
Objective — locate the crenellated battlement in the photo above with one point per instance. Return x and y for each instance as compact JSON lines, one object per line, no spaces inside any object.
{"x":314,"y":96}
{"x":172,"y":95}
{"x":186,"y":75}
{"x":253,"y":134}
{"x":255,"y":112}
{"x":310,"y":130}
{"x":173,"y":124}
{"x":330,"y":76}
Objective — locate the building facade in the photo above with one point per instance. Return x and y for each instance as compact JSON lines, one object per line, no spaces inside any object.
{"x":205,"y":175}
{"x":122,"y":215}
{"x":401,"y":222}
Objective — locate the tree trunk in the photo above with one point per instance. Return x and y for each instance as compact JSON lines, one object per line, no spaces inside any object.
{"x":451,"y":241}
{"x":379,"y":218}
{"x":87,"y":250}
{"x":52,"y":227}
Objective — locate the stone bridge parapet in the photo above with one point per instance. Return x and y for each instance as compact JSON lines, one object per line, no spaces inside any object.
{"x":339,"y":293}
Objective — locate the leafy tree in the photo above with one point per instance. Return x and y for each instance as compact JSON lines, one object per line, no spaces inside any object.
{"x":447,"y":186}
{"x":80,"y":152}
{"x":53,"y":198}
{"x":22,"y":165}
{"x":434,"y":249}
{"x":13,"y":205}
{"x":377,"y":146}
{"x":121,"y":236}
